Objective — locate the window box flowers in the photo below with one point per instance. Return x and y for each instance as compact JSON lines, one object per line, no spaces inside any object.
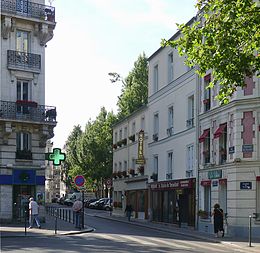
{"x":114,"y":175}
{"x":132,"y":172}
{"x":114,"y":146}
{"x":119,"y":174}
{"x":141,"y":170}
{"x":26,"y":103}
{"x":132,"y":138}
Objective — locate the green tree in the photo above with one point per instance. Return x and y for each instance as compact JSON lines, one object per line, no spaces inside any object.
{"x":225,"y":37}
{"x":134,"y":92}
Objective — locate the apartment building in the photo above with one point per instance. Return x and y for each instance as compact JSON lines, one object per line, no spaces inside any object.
{"x":26,"y":123}
{"x":229,"y":172}
{"x":130,"y":165}
{"x":171,"y":141}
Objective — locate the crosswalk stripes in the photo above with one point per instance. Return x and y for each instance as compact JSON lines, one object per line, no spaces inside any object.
{"x":174,"y":243}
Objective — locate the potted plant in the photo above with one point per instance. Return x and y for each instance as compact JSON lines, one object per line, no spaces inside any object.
{"x":124,"y":141}
{"x":119,"y":174}
{"x":154,"y":176}
{"x":115,"y":146}
{"x":132,"y":172}
{"x":132,"y":138}
{"x":114,"y":175}
{"x":124,"y":173}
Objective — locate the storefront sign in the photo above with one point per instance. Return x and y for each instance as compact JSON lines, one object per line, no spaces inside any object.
{"x":231,"y":150}
{"x":247,"y":148}
{"x":140,"y":159}
{"x":245,"y":185}
{"x":175,"y":184}
{"x":215,"y":174}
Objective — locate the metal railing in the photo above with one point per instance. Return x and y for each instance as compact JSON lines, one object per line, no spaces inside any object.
{"x":22,"y":60}
{"x":28,"y":9}
{"x":36,"y":113}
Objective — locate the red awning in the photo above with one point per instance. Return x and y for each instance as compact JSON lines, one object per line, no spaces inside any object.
{"x":220,"y":130}
{"x":205,"y":183}
{"x":204,"y":135}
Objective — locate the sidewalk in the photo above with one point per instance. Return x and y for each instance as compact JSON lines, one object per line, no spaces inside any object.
{"x":228,"y":240}
{"x":47,"y":229}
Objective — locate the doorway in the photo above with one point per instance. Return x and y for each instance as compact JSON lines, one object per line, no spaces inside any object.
{"x":21,"y":195}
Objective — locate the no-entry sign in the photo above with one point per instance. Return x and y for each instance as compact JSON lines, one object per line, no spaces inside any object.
{"x":79,"y":180}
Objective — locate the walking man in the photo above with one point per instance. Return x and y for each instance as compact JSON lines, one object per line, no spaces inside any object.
{"x":33,"y":213}
{"x":77,"y":206}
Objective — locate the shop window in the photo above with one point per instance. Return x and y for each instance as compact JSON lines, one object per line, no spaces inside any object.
{"x":207,"y":199}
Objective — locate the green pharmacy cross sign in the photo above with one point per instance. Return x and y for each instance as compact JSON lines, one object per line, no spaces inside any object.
{"x":56,"y":156}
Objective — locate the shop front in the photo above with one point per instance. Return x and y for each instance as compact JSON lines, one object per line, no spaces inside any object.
{"x":173,"y":201}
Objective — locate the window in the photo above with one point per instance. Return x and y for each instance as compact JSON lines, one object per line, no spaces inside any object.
{"x":142,"y":123}
{"x":205,"y":140}
{"x":190,"y":161}
{"x":23,"y":146}
{"x":155,"y":167}
{"x":120,"y":166}
{"x":155,"y":78}
{"x":115,"y":137}
{"x":120,"y":134}
{"x":133,"y":163}
{"x":115,"y":167}
{"x":22,"y":41}
{"x":133,"y":128}
{"x":155,"y":127}
{"x":125,"y":132}
{"x":223,"y":144}
{"x":190,"y":120}
{"x":125,"y":165}
{"x":207,"y":197}
{"x":207,"y":95}
{"x":169,"y":165}
{"x":22,"y":93}
{"x":170,"y":121}
{"x":170,"y":67}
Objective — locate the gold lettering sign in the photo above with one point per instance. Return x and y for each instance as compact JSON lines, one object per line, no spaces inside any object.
{"x":140,"y":159}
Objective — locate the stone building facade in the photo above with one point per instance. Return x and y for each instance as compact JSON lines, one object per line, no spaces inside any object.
{"x":26,"y":123}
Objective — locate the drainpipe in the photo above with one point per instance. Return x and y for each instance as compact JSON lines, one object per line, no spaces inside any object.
{"x":197,"y":99}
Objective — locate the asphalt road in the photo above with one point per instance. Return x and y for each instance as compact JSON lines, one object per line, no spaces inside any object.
{"x":112,"y":236}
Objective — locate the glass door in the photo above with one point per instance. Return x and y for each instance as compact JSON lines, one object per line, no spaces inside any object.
{"x":21,"y":195}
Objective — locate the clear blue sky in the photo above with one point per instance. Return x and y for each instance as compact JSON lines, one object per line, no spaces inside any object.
{"x":95,"y":37}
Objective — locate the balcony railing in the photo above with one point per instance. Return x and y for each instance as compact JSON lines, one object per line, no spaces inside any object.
{"x":25,"y":61}
{"x":28,"y":9}
{"x":27,"y":111}
{"x":23,"y":154}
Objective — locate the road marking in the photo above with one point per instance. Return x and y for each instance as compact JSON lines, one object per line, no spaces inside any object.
{"x":136,"y":239}
{"x":172,"y":244}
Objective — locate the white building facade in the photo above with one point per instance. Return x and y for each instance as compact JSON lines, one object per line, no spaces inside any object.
{"x":26,"y":123}
{"x":130,"y":164}
{"x":171,"y":142}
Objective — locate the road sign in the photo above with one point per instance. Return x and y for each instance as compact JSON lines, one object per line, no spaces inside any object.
{"x":109,"y":183}
{"x":79,"y":180}
{"x":56,"y":156}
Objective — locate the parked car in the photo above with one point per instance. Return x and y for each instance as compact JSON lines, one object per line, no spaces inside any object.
{"x":70,"y":201}
{"x":99,"y":204}
{"x":61,"y":200}
{"x":109,"y":205}
{"x":87,"y":202}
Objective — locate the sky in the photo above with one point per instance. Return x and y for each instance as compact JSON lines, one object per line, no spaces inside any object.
{"x":93,"y":38}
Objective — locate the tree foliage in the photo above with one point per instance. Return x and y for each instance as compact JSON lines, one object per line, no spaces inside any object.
{"x":225,"y":38}
{"x":89,"y":153}
{"x":134,"y":92}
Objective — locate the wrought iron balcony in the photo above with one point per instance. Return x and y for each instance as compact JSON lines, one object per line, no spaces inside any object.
{"x":23,"y":154}
{"x":25,"y":61}
{"x":27,"y":111}
{"x":28,"y":9}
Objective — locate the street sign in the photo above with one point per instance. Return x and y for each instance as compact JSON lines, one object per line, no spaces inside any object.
{"x":56,"y":156}
{"x":79,"y":180}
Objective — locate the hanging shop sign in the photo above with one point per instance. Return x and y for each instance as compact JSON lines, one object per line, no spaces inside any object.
{"x":215,"y":174}
{"x":140,"y":159}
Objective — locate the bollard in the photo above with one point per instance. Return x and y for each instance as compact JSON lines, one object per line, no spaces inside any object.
{"x":56,"y":218}
{"x":250,"y":231}
{"x":25,"y":219}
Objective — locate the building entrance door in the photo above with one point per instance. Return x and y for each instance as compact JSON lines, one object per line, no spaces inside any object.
{"x":184,"y":208}
{"x":21,"y":195}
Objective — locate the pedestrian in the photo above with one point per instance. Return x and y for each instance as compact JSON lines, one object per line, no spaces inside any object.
{"x":218,"y":220}
{"x":128,"y":211}
{"x":77,"y":207}
{"x":33,"y":213}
